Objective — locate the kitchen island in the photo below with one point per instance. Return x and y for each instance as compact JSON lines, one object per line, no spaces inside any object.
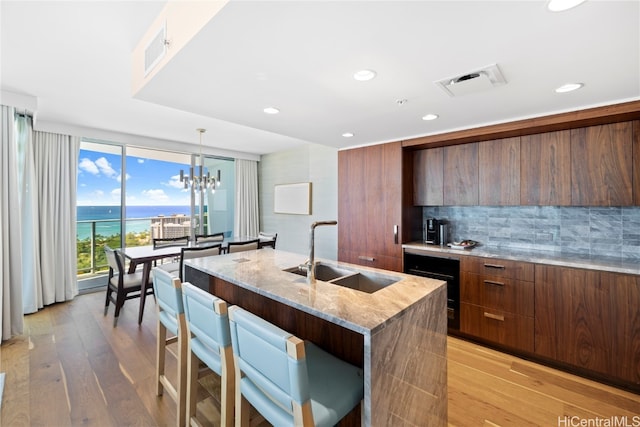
{"x":397,"y":334}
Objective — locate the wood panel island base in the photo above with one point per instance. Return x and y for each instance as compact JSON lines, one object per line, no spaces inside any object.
{"x":397,"y":334}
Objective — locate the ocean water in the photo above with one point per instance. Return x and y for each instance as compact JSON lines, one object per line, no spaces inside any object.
{"x":108,"y":218}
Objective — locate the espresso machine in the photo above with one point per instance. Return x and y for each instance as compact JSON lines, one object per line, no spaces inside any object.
{"x":436,"y":231}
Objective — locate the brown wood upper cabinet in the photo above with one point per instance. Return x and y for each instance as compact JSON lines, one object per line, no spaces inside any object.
{"x":590,"y":166}
{"x":499,"y":172}
{"x":461,"y":175}
{"x":545,"y":171}
{"x":428,"y":177}
{"x":636,"y":159}
{"x":602,"y":165}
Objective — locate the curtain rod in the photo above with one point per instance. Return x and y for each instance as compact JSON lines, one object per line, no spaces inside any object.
{"x":24,"y":113}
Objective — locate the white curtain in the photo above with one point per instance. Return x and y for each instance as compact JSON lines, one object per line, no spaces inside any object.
{"x":55,"y":159}
{"x":10,"y":226}
{"x":31,"y":273}
{"x":246,"y":209}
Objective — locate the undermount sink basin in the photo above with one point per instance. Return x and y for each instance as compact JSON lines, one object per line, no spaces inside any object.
{"x":358,"y":280}
{"x":324,"y":272}
{"x":365,"y":282}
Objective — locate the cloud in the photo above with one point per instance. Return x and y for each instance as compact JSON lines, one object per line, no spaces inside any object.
{"x":174,"y":182}
{"x":156,"y":195}
{"x":100,"y":166}
{"x":88,"y":166}
{"x":105,"y":167}
{"x":126,"y":177}
{"x":140,"y":161}
{"x":116,"y":192}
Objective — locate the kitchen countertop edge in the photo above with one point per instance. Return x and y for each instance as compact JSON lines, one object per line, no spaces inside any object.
{"x":261,"y":271}
{"x":614,"y":265}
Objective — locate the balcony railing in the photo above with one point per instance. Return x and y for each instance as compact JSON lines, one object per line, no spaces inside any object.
{"x":91,"y":257}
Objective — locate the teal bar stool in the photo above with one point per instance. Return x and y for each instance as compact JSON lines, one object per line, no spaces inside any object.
{"x":289,"y":381}
{"x":209,"y":342}
{"x":168,"y":291}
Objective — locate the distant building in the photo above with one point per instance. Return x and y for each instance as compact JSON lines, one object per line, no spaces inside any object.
{"x":170,"y":226}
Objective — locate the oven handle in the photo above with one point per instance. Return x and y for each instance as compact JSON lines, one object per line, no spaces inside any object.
{"x":430,"y":274}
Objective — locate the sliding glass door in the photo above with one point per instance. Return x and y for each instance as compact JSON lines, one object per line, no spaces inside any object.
{"x":218,"y":206}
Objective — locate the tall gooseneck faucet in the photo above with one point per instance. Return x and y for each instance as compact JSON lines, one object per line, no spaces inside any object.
{"x":310,"y":264}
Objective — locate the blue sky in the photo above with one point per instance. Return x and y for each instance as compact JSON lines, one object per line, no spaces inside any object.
{"x":148,"y":182}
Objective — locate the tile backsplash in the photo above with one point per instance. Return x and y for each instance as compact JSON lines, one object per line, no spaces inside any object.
{"x":596,"y":231}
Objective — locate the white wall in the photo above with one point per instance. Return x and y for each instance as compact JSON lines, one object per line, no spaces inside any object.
{"x":313,"y":163}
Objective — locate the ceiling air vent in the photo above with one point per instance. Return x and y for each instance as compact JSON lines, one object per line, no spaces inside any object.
{"x":155,"y":50}
{"x":475,"y":81}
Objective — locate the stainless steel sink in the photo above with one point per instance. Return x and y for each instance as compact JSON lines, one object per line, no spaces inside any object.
{"x":365,"y":282}
{"x":324,"y":272}
{"x":358,"y":280}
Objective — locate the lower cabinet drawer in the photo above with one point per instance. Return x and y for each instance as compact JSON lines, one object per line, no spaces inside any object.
{"x":497,"y":293}
{"x":371,"y":260}
{"x":500,"y":327}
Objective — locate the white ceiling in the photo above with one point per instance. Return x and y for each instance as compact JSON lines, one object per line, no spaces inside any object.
{"x":75,"y":57}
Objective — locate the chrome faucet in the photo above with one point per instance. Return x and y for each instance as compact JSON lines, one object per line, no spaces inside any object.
{"x":310,"y":264}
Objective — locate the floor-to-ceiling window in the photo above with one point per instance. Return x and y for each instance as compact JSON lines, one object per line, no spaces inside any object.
{"x":99,"y":205}
{"x":129,"y":195}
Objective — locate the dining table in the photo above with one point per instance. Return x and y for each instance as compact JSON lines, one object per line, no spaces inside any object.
{"x":147,"y":255}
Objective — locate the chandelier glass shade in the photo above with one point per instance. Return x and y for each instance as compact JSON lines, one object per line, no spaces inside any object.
{"x":203,"y":180}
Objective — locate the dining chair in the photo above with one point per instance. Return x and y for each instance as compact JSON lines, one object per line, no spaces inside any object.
{"x":215,"y":237}
{"x":197,"y":252}
{"x":163,"y":242}
{"x":171,"y":317}
{"x":209,"y":342}
{"x":247,"y":245}
{"x":267,"y":239}
{"x":124,"y":285}
{"x":287,"y":380}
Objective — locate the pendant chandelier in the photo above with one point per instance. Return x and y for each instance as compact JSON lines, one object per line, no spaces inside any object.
{"x":202,"y":181}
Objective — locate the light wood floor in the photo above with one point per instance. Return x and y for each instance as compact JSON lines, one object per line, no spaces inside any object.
{"x":73,"y":368}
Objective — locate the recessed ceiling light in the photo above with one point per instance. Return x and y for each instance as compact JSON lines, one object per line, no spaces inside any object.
{"x":561,"y":5}
{"x":430,"y":117}
{"x":364,"y":75}
{"x":569,"y":87}
{"x":347,"y":134}
{"x":271,"y":110}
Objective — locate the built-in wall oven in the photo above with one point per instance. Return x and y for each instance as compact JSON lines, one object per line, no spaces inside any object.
{"x":440,"y":267}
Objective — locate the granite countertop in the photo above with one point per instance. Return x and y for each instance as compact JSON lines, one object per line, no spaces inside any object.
{"x":261,"y":271}
{"x":616,"y":265}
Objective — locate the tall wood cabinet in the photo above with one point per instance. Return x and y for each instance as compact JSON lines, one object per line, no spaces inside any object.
{"x":370,"y":201}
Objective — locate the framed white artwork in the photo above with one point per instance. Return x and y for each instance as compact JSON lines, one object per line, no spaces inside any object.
{"x":292,"y":198}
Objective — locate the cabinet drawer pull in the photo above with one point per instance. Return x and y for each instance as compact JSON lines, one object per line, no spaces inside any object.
{"x":395,"y":234}
{"x":494,"y":316}
{"x":366,"y":258}
{"x":500,"y":267}
{"x":491,"y":282}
